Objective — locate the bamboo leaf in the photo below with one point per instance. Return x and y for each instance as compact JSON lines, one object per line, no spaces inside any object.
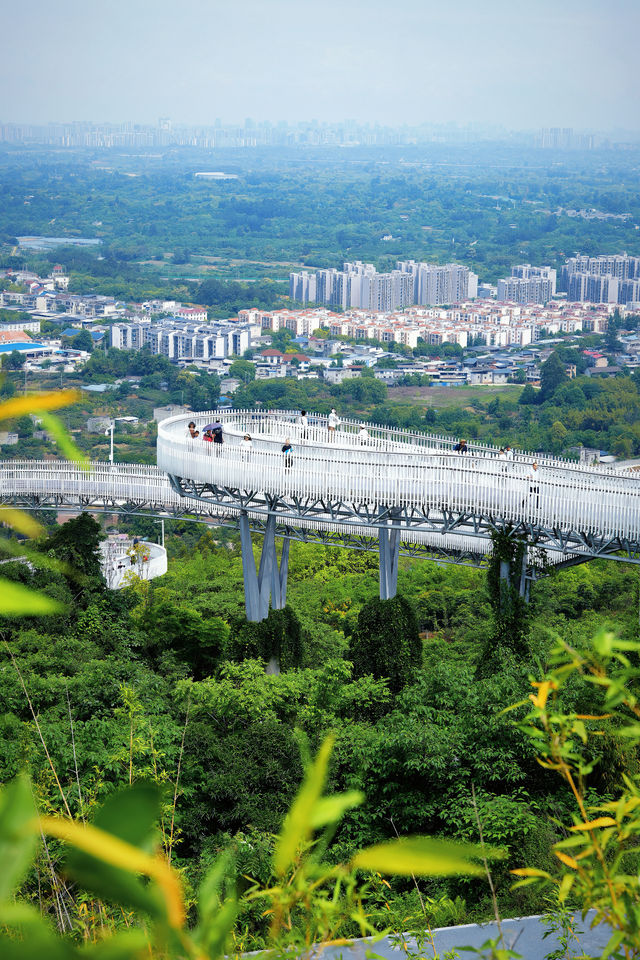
{"x":332,"y":809}
{"x":530,"y":872}
{"x":19,"y":601}
{"x":65,"y":443}
{"x":566,"y":859}
{"x":18,"y":406}
{"x":17,"y":841}
{"x":565,"y":886}
{"x":524,"y":883}
{"x":594,"y":824}
{"x":614,"y":943}
{"x":298,"y":824}
{"x":423,"y":856}
{"x":110,"y":849}
{"x":21,"y":522}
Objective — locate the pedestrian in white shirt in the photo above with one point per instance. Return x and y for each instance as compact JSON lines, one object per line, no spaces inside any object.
{"x":333,"y":423}
{"x":304,"y":423}
{"x":534,"y":487}
{"x":246,"y":446}
{"x":363,"y":435}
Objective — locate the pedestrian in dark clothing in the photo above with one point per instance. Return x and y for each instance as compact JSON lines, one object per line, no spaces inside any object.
{"x":461,"y":447}
{"x":287,"y":450}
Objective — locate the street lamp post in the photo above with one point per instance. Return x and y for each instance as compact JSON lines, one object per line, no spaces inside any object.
{"x":161,"y":522}
{"x":108,"y":431}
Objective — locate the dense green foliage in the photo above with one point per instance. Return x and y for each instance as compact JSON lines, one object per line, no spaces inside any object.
{"x":119,"y":679}
{"x":486,"y":205}
{"x":386,"y":642}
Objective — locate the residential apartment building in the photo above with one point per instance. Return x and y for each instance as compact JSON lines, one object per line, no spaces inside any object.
{"x":524,"y":271}
{"x":525,"y":290}
{"x":179,"y":340}
{"x":435,"y":285}
{"x":605,"y":279}
{"x":359,"y":286}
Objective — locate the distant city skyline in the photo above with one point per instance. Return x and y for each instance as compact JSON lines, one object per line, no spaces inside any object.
{"x":540,"y":65}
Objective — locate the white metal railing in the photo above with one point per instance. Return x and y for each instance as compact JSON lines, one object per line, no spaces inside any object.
{"x":103,"y":484}
{"x":281,"y":423}
{"x":401,"y":472}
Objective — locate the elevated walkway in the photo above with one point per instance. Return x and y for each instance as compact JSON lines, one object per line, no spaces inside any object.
{"x":393,"y":491}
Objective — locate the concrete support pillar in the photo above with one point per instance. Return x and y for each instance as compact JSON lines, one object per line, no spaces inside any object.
{"x":511,"y":575}
{"x":270,"y":581}
{"x":389,"y":549}
{"x":279,"y":578}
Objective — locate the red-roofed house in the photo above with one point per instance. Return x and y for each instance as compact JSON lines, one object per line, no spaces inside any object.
{"x":303,"y":361}
{"x":272,"y":356}
{"x":14,"y":336}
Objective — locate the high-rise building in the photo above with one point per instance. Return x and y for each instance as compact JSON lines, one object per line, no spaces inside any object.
{"x":600,"y":279}
{"x":359,"y":285}
{"x":525,"y":271}
{"x":525,"y":290}
{"x":435,"y":285}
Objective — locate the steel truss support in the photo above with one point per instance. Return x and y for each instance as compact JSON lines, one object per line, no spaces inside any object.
{"x":389,"y":550}
{"x":270,"y":581}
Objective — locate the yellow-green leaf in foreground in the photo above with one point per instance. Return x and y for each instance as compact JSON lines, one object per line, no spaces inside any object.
{"x":66,"y":445}
{"x":565,"y":886}
{"x":111,"y":849}
{"x":595,"y":824}
{"x":424,"y":856}
{"x":332,"y":809}
{"x":54,"y":400}
{"x":22,"y":522}
{"x":19,"y":601}
{"x":298,"y":824}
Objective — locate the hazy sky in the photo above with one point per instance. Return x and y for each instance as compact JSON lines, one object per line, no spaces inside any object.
{"x":545,"y":62}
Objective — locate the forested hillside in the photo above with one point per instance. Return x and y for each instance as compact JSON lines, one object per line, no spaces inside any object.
{"x":487,"y":206}
{"x":165,"y":681}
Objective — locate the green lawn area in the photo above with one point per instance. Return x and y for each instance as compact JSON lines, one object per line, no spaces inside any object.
{"x":443,"y":397}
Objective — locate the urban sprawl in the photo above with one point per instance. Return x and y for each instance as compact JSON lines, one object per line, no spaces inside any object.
{"x":347,"y":319}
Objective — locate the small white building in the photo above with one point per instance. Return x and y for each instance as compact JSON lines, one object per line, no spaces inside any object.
{"x":122,"y":559}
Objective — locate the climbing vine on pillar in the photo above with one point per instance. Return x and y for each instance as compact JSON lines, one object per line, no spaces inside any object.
{"x":386,"y":642}
{"x":278,"y":637}
{"x":505,"y":582}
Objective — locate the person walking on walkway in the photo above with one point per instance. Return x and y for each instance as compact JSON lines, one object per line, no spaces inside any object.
{"x":534,"y":486}
{"x":363,"y":435}
{"x":304,"y":423}
{"x":461,"y":447}
{"x":246,"y":446}
{"x":218,"y":439}
{"x":287,"y":451}
{"x":332,"y":424}
{"x":192,"y":433}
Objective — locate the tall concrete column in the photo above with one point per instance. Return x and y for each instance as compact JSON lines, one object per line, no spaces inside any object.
{"x":270,"y":581}
{"x":515,"y":575}
{"x":279,"y":578}
{"x":389,"y":549}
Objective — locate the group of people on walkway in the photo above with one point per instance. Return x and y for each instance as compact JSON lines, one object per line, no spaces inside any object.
{"x":505,"y":453}
{"x":213,"y":433}
{"x":210,"y":434}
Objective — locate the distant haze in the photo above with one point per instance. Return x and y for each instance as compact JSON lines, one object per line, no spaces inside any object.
{"x":522,"y":65}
